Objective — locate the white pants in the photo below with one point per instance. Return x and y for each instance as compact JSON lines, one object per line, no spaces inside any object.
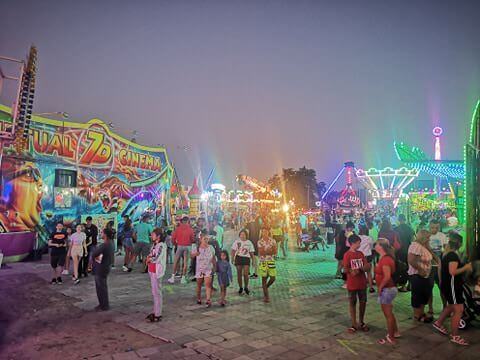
{"x":157,"y":294}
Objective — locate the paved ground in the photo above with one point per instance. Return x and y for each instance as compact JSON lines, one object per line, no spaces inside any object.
{"x":306,"y":319}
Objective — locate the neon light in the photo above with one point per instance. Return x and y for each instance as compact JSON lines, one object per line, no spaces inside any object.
{"x":333,"y":183}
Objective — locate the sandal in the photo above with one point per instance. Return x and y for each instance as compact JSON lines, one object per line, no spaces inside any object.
{"x":352,"y":330}
{"x":364,"y":327}
{"x":457,"y":339}
{"x":440,"y":329}
{"x":386,"y":340}
{"x":209,"y":303}
{"x":199,"y":302}
{"x":424,"y":319}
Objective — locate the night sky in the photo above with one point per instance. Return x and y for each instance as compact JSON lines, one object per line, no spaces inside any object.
{"x":254,"y":86}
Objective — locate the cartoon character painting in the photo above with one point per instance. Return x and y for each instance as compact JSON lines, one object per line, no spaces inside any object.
{"x":20,"y":204}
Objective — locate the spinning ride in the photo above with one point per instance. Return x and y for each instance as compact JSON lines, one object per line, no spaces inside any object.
{"x":386,"y":184}
{"x":348,"y":196}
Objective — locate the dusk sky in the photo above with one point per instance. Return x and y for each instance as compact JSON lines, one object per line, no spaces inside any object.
{"x":253,"y":86}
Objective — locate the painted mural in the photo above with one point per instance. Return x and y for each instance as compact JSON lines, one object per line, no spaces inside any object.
{"x":71,"y":170}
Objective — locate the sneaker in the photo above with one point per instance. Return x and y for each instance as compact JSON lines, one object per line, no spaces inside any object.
{"x":247,"y":291}
{"x":124,"y":268}
{"x":171,"y":280}
{"x":240,"y":291}
{"x":184,"y":280}
{"x":129,"y":269}
{"x":65,"y":272}
{"x":53,"y":282}
{"x":344,"y":286}
{"x":178,"y":275}
{"x":59,"y":281}
{"x":76,"y":281}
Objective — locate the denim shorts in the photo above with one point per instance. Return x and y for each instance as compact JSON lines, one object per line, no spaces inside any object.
{"x":387,"y":296}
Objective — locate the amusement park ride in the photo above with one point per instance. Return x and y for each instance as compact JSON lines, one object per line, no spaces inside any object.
{"x":22,"y":108}
{"x":348,"y":196}
{"x":387,"y":184}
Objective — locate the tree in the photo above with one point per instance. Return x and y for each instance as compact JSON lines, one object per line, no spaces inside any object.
{"x":297,"y":185}
{"x":321,"y":188}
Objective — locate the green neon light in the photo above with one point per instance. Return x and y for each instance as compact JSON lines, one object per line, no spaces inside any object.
{"x":476,"y":113}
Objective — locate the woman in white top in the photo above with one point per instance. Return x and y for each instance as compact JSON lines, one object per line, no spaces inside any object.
{"x":420,"y":258}
{"x":156,"y":262}
{"x":242,"y":253}
{"x":78,"y":247}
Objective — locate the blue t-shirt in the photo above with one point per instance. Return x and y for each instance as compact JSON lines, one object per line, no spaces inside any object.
{"x":143,"y":231}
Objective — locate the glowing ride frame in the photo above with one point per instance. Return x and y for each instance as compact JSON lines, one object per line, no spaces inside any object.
{"x":383,"y":184}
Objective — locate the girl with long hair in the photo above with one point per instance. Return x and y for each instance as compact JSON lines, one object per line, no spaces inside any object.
{"x":242,"y":255}
{"x":451,"y":286}
{"x":78,"y":248}
{"x":387,"y":290}
{"x":156,"y":263}
{"x":204,"y":267}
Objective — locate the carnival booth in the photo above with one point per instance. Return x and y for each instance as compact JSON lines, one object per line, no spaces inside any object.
{"x":69,"y":170}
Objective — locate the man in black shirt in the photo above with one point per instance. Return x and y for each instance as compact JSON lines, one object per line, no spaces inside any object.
{"x":58,"y":253}
{"x":91,"y":231}
{"x":103,"y":259}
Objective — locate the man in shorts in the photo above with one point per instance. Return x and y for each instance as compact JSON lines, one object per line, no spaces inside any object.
{"x":58,"y":252}
{"x":267,"y":249}
{"x":182,"y":238}
{"x":142,"y":236}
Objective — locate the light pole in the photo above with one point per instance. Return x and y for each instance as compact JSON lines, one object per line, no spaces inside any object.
{"x":308,"y":196}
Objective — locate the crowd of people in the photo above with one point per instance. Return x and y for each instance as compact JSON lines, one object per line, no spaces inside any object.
{"x":399,"y":258}
{"x":369,"y":250}
{"x":194,"y":247}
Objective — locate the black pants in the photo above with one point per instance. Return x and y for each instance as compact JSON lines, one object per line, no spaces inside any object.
{"x":83,"y":265}
{"x":193,"y":266}
{"x":102,"y":291}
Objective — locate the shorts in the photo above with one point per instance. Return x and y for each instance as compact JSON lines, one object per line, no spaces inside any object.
{"x":387,"y":296}
{"x":128,"y":243}
{"x":57,"y":260}
{"x":142,"y":248}
{"x":453,"y":295}
{"x":421,"y":290}
{"x":242,"y":261}
{"x":77,"y":250}
{"x":203,"y":274}
{"x":267,"y":268}
{"x":182,"y":251}
{"x":360,"y":294}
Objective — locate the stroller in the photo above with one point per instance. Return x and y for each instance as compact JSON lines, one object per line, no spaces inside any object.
{"x":471,"y":307}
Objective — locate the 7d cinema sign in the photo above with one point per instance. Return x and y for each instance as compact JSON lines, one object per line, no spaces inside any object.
{"x":92,"y":146}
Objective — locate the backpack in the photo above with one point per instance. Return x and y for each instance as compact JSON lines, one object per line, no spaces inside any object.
{"x":400,"y":275}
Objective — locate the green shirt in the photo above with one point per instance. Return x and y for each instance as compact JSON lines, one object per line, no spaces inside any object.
{"x":219,"y":237}
{"x":143,"y":231}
